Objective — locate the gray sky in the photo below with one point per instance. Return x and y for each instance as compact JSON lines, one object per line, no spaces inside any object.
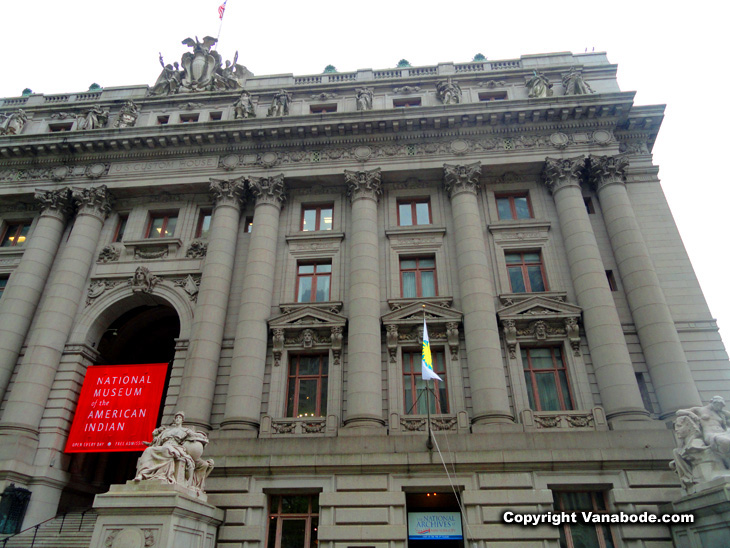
{"x":667,"y":54}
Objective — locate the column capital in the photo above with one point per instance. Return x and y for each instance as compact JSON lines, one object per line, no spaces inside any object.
{"x":54,"y":203}
{"x":363,"y":184}
{"x":462,"y":178}
{"x":607,"y":170}
{"x":268,"y":190}
{"x":95,"y":200}
{"x":563,"y":172}
{"x":228,"y":192}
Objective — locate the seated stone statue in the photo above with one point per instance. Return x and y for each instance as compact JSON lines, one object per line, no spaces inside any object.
{"x":703,"y":440}
{"x":174,"y":456}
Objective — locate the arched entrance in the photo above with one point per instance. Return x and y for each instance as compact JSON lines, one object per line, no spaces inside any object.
{"x":142,"y":334}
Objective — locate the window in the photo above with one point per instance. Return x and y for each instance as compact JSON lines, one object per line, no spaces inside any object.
{"x":215,"y":116}
{"x":411,"y":102}
{"x":526,"y":273}
{"x":414,"y":387}
{"x":3,"y":283}
{"x":414,"y":212}
{"x":583,"y":535}
{"x":513,"y":207}
{"x":611,"y":280}
{"x":55,"y":128}
{"x":306,"y":394}
{"x":316,"y":218}
{"x":313,"y":282}
{"x":119,"y":231}
{"x":499,"y":96}
{"x":162,"y":225}
{"x":418,"y":277}
{"x":249,"y":224}
{"x":162,"y":120}
{"x":293,"y":521}
{"x":322,"y":109}
{"x":203,"y":224}
{"x":590,"y":208}
{"x":189,"y":118}
{"x":546,"y":378}
{"x":15,"y":235}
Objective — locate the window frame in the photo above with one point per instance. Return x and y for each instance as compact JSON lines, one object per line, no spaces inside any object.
{"x":317,"y":208}
{"x":120,"y":228}
{"x":411,"y":385}
{"x":277,"y":517}
{"x":413,"y":202}
{"x":531,"y":386}
{"x":315,"y":276}
{"x":17,"y":227}
{"x":165,"y":215}
{"x":523,"y":266}
{"x":513,"y":208}
{"x":3,"y":284}
{"x":418,"y":270}
{"x":601,"y":530}
{"x":322,"y":379}
{"x":201,"y":221}
{"x":407,"y":102}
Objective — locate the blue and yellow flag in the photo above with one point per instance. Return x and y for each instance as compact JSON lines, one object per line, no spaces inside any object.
{"x":426,"y":361}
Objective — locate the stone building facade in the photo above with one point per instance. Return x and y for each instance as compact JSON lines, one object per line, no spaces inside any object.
{"x":292,"y":233}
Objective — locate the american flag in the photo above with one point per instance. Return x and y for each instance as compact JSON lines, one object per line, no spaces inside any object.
{"x":221,"y":10}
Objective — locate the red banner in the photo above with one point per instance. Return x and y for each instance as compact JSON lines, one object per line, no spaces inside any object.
{"x":117,"y":408}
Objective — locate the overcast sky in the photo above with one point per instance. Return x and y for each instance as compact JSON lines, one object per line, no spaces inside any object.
{"x":668,"y":55}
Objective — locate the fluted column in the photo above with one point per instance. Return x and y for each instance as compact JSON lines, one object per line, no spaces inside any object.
{"x":670,"y":374}
{"x":63,"y":294}
{"x":364,"y":373}
{"x":25,"y":286}
{"x":243,"y":404}
{"x":201,"y":365}
{"x":611,"y":362}
{"x":489,"y":397}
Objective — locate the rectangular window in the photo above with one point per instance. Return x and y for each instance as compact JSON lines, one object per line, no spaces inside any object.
{"x":583,"y":535}
{"x":497,"y":96}
{"x":513,"y":206}
{"x":15,"y":235}
{"x":293,"y":521}
{"x":590,"y":208}
{"x":526,"y":272}
{"x":418,"y":277}
{"x":215,"y":116}
{"x":546,"y":378}
{"x":414,"y":387}
{"x":162,"y":225}
{"x":3,"y":283}
{"x":249,"y":224}
{"x":306,"y":394}
{"x":203,"y":224}
{"x":313,"y":282}
{"x":55,"y":128}
{"x":162,"y":120}
{"x":410,"y":102}
{"x":316,"y":218}
{"x":189,"y":118}
{"x":611,"y":280}
{"x":414,"y":212}
{"x":322,"y":109}
{"x":119,"y":230}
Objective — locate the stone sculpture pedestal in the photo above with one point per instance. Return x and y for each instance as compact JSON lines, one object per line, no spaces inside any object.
{"x":151,"y":514}
{"x":710,"y":505}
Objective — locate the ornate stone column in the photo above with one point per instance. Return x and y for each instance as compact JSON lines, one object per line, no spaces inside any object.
{"x":364,"y":374}
{"x":489,"y":397}
{"x":201,"y":365}
{"x":63,"y":294}
{"x":611,"y":362}
{"x":670,"y":373}
{"x":25,"y":286}
{"x":243,"y":404}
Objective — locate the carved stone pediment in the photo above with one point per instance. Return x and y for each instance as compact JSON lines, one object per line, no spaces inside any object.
{"x":308,"y":326}
{"x":539,"y":318}
{"x":404,"y":324}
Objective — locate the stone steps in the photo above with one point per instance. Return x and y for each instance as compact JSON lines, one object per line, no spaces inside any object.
{"x":72,"y":531}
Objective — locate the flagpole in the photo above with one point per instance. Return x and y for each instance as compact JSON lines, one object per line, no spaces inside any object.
{"x":429,"y":441}
{"x":222,"y":13}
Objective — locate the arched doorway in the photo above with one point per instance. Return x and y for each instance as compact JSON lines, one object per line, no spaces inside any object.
{"x":142,"y":334}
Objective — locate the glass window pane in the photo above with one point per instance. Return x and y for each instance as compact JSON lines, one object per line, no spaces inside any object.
{"x":531,"y":257}
{"x":407,"y":263}
{"x":23,"y":234}
{"x":422,"y":214}
{"x":324,"y":268}
{"x":120,"y":229}
{"x":293,"y":532}
{"x":428,"y":286}
{"x":305,"y":290}
{"x":323,"y":360}
{"x":205,"y":225}
{"x":309,"y":219}
{"x":313,"y":539}
{"x":170,"y":228}
{"x":547,"y":392}
{"x":306,"y":269}
{"x":565,"y":390}
{"x":513,"y":258}
{"x":407,"y":360}
{"x":503,"y":208}
{"x":294,"y":504}
{"x":308,"y":365}
{"x":272,"y":531}
{"x":323,"y":289}
{"x":515,"y":279}
{"x":584,"y":536}
{"x":408,"y":396}
{"x":290,"y":397}
{"x":404,"y":212}
{"x":536,"y":281}
{"x":521,"y":207}
{"x":427,"y":263}
{"x":530,"y":392}
{"x":307,"y":406}
{"x":323,"y":397}
{"x":541,"y":358}
{"x":156,"y":227}
{"x":409,"y":285}
{"x":325,"y":222}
